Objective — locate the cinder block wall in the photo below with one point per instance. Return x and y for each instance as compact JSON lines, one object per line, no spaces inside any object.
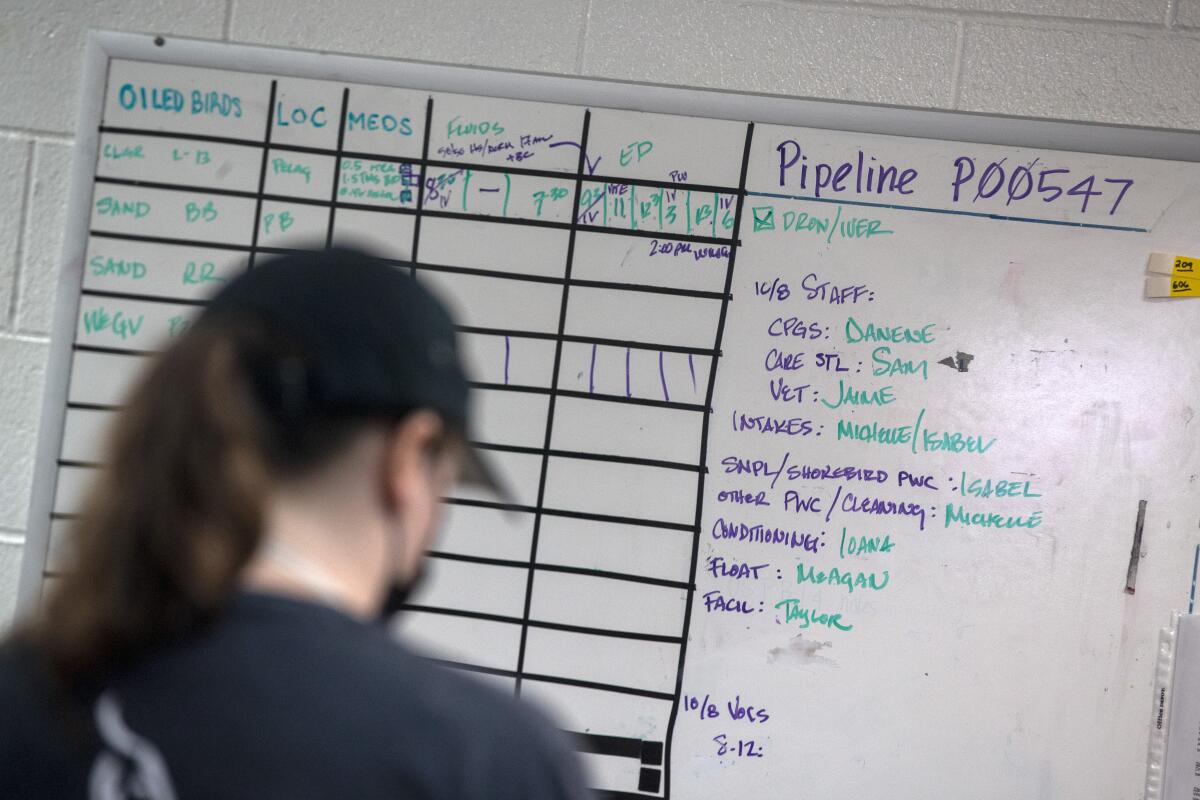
{"x":1118,"y":61}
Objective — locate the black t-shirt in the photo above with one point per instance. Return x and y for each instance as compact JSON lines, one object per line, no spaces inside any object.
{"x":280,"y":699}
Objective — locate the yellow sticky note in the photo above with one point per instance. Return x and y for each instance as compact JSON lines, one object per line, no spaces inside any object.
{"x":1172,"y":276}
{"x":1171,"y":286}
{"x":1175,"y":266}
{"x":1185,"y":287}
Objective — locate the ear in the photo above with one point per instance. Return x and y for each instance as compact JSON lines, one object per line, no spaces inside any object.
{"x":406,"y":457}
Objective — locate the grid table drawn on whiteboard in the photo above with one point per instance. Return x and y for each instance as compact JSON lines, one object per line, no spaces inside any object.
{"x":907,"y":476}
{"x":566,"y":378}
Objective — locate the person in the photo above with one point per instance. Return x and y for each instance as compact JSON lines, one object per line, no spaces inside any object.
{"x":270,"y":488}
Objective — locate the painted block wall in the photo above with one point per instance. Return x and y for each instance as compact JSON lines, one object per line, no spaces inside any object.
{"x":1117,"y":61}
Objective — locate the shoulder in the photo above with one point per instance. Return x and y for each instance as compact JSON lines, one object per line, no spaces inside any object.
{"x":521,"y":754}
{"x":426,"y":724}
{"x":505,"y":747}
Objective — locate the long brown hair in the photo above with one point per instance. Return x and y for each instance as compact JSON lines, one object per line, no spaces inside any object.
{"x":177,"y":511}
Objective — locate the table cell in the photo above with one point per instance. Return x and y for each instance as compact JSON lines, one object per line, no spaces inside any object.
{"x":634,"y":372}
{"x":607,"y":604}
{"x":492,"y":130}
{"x":182,"y":161}
{"x":307,"y":113}
{"x":650,"y":319}
{"x":620,"y":259}
{"x":103,"y":378}
{"x":85,"y":435}
{"x":510,"y":418}
{"x":293,"y":225}
{"x":521,"y":473}
{"x":189,"y":100}
{"x":158,"y":270}
{"x":500,"y":303}
{"x":613,"y":774}
{"x":500,"y":194}
{"x":666,"y":147}
{"x":296,"y":174}
{"x":172,"y":214}
{"x":378,"y":183}
{"x":517,"y":249}
{"x":627,"y":663}
{"x":507,"y":360}
{"x":466,"y":586}
{"x":131,"y":324}
{"x":641,"y":493}
{"x":601,"y":712}
{"x":464,"y":640}
{"x":628,"y":430}
{"x":385,"y":120}
{"x":387,"y":233}
{"x":486,"y":532}
{"x":615,"y":547}
{"x":70,"y":490}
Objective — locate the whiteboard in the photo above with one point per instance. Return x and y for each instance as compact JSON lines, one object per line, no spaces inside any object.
{"x":827,"y":425}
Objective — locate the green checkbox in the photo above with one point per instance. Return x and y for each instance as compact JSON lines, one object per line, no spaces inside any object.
{"x":764,"y":218}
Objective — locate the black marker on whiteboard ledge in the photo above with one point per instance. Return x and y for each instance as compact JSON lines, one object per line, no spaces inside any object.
{"x":1136,"y":553}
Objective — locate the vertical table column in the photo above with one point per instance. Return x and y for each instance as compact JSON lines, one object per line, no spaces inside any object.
{"x":300,"y":166}
{"x":615,"y":562}
{"x":172,"y":217}
{"x":494,"y":233}
{"x":379,"y":177}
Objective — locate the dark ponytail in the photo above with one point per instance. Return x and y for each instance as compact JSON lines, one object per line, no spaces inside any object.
{"x":177,"y":512}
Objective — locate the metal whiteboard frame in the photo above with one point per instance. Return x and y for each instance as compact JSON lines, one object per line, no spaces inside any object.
{"x":102,"y":46}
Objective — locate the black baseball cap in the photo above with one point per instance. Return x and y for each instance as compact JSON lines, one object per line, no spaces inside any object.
{"x":373,"y":341}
